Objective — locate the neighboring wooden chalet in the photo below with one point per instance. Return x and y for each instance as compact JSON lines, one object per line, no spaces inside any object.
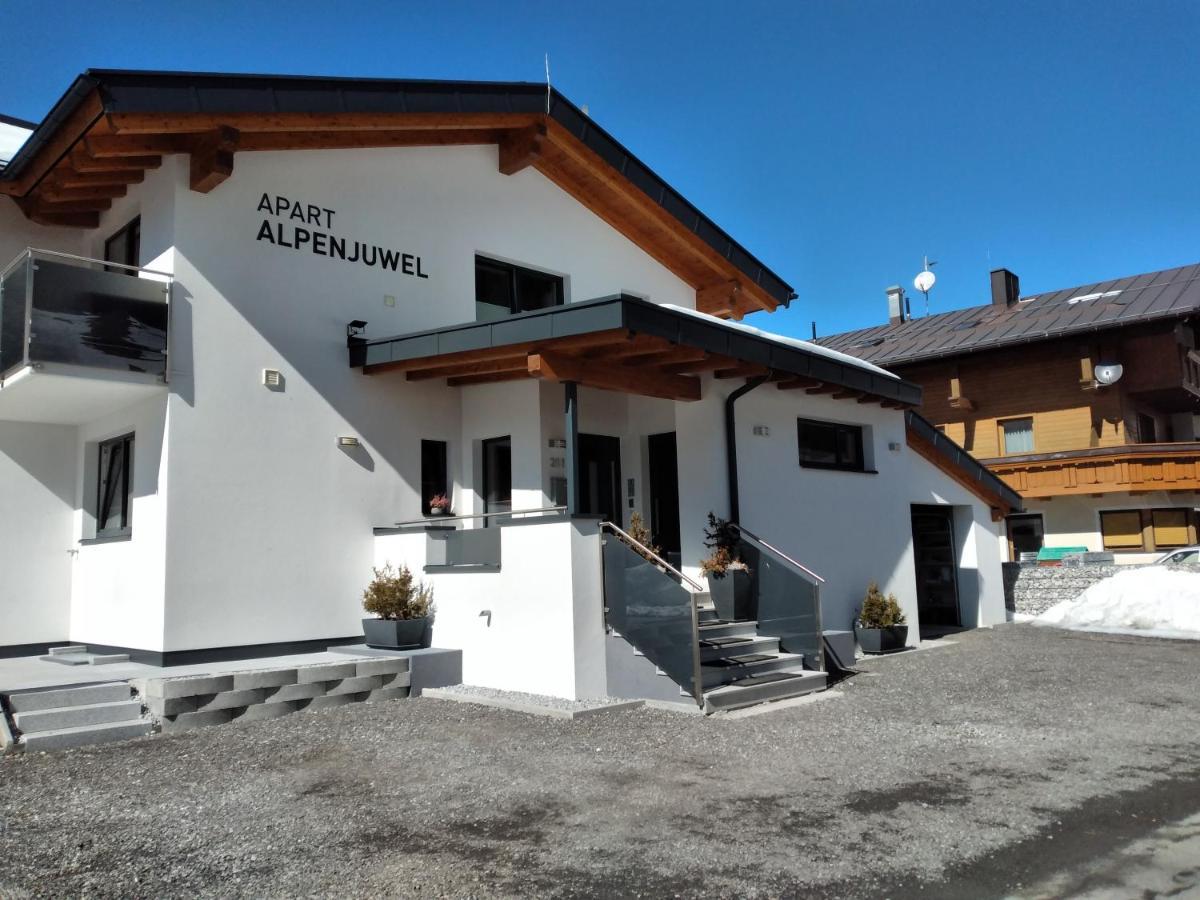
{"x":1083,"y":399}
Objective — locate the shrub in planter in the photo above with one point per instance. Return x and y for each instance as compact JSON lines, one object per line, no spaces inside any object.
{"x":403,"y":605}
{"x":439,"y":505}
{"x":727,"y":573}
{"x":640,"y":533}
{"x":880,"y":624}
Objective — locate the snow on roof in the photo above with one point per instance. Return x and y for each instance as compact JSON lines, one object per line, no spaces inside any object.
{"x":807,"y":346}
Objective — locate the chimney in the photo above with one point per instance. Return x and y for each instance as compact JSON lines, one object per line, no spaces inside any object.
{"x":897,"y":305}
{"x":1006,"y":288}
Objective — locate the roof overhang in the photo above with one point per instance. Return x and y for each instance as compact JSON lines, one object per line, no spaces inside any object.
{"x":627,"y":344}
{"x":111,"y":126}
{"x":960,"y":465}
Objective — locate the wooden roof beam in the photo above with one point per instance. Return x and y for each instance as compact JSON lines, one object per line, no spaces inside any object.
{"x":82,"y":161}
{"x":559,"y":367}
{"x":184,"y":123}
{"x":792,"y":384}
{"x":70,"y":178}
{"x":488,"y":378}
{"x":488,"y":367}
{"x":521,"y":148}
{"x":53,"y":194}
{"x":89,"y":110}
{"x":743,"y":370}
{"x":116,"y":146}
{"x":212,"y":158}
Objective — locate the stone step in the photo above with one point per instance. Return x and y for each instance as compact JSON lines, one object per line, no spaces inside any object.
{"x":69,"y":648}
{"x":752,"y":691}
{"x":82,"y":695}
{"x":65,"y":738}
{"x":737,"y":646}
{"x":728,"y":629}
{"x":75,"y":716}
{"x":712,"y":674}
{"x":84,"y":658}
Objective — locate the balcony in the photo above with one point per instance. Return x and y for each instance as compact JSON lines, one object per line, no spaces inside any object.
{"x":1102,"y":470}
{"x":79,"y":338}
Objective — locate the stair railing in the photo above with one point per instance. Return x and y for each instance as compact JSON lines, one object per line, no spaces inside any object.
{"x":647,"y":602}
{"x":787,"y":598}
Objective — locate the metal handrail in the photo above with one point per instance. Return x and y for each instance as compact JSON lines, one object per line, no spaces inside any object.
{"x":516,"y":512}
{"x":36,"y":251}
{"x":755,"y":539}
{"x":646,"y":551}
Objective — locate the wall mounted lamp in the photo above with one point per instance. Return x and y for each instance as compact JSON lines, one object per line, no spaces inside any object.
{"x":348,"y":442}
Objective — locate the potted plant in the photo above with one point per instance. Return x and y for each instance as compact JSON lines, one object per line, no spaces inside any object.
{"x":439,"y":505}
{"x":640,"y":533}
{"x":727,"y":573}
{"x":880,"y":623}
{"x":403,"y":606}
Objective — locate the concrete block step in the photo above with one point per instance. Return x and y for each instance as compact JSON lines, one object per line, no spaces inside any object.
{"x":82,"y":695}
{"x":65,"y":738}
{"x":736,"y":646}
{"x":68,"y":648}
{"x":68,"y":659}
{"x":728,"y":629}
{"x":712,"y":674}
{"x":752,"y":691}
{"x":77,"y":716}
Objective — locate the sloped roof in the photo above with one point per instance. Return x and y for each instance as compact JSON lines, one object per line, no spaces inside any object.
{"x":1167,"y":294}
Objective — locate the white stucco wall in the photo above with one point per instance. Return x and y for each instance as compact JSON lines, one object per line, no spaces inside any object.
{"x":535,"y":625}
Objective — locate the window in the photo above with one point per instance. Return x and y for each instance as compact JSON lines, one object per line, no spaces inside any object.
{"x":1170,"y":528}
{"x":1122,"y":529}
{"x":829,"y":445}
{"x":114,"y":506}
{"x":1147,"y":529}
{"x":1026,"y":534}
{"x":1017,"y":436}
{"x":434,"y":470}
{"x":125,"y":247}
{"x":502,"y":289}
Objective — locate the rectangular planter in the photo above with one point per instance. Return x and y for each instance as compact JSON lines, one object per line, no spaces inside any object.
{"x":731,"y":595}
{"x":395,"y":634}
{"x":883,"y":640}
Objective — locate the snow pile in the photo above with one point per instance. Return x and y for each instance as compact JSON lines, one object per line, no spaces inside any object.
{"x":1154,"y":601}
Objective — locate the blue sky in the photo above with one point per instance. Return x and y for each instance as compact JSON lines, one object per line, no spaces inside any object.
{"x":838,"y":141}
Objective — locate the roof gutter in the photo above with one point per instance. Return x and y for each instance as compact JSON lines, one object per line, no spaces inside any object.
{"x":80,"y":88}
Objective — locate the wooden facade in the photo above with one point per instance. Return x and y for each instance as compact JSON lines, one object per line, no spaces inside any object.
{"x":1087,"y":438}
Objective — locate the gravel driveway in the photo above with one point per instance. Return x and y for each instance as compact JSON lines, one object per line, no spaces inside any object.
{"x":979,"y":767}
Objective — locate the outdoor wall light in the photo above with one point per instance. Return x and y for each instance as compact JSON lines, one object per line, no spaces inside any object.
{"x":348,"y":442}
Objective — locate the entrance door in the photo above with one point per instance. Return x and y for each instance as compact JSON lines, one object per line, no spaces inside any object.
{"x":664,"y":492}
{"x":600,"y":476}
{"x":1025,"y":535}
{"x":936,"y":564}
{"x":497,"y":475}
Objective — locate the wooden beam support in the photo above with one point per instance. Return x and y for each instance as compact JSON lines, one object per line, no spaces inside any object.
{"x":359,"y":140}
{"x":454,"y":370}
{"x":744,"y":370}
{"x":559,"y":367}
{"x":54,"y":194}
{"x":791,"y":384}
{"x":212,"y":158}
{"x":521,"y":148}
{"x":720,"y":299}
{"x":822,"y":389}
{"x":185,"y":123}
{"x":612,"y":337}
{"x":82,"y":161}
{"x":667,"y":360}
{"x":116,"y":146}
{"x":707,"y":364}
{"x":490,"y":378}
{"x":35,"y":206}
{"x":70,"y":178}
{"x":845,"y":395}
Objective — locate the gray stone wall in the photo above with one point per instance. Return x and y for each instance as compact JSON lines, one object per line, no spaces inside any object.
{"x":1031,"y":590}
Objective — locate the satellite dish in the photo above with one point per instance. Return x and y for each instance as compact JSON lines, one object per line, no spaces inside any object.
{"x":1109,"y":374}
{"x":924,"y":281}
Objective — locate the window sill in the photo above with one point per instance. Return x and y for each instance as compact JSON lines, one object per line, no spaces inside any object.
{"x":852,"y":471}
{"x":106,"y":539}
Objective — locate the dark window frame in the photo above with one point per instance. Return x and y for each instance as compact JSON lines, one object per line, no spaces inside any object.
{"x":837,"y":428}
{"x":514,"y":272}
{"x":132,"y":249}
{"x":114,"y":512}
{"x":434,"y":482}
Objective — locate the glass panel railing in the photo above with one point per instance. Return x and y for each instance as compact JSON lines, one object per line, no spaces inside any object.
{"x":106,"y":320}
{"x":787,"y":600}
{"x":651,"y":610}
{"x":12,"y":316}
{"x":462,"y":548}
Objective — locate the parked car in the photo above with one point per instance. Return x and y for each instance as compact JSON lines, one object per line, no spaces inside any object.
{"x":1185,"y":556}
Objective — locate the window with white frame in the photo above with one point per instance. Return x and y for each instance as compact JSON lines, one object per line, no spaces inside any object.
{"x":1017,"y":436}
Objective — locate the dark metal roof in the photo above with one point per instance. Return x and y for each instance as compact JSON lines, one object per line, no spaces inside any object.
{"x":641,"y":317}
{"x":1169,"y":294}
{"x":972,"y":469}
{"x":124,"y":91}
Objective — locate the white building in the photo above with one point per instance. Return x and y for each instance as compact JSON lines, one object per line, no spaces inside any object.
{"x":198,"y":462}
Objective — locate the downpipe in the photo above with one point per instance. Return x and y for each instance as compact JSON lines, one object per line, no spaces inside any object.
{"x":731,"y":442}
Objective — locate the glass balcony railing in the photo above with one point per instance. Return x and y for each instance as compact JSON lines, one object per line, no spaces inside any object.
{"x":68,"y":310}
{"x":786,"y":599}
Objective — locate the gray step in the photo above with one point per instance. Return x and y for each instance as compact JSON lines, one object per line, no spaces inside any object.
{"x":752,"y":691}
{"x":69,"y":648}
{"x":83,"y":695}
{"x":745,"y":644}
{"x":65,"y":738}
{"x":729,"y":629}
{"x":75,"y":716}
{"x":713,"y":675}
{"x":85,"y":658}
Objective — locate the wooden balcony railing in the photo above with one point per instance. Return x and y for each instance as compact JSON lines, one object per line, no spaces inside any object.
{"x":1102,"y":470}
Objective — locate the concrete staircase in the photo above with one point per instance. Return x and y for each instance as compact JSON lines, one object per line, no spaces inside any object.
{"x":740,"y":667}
{"x":62,"y":718}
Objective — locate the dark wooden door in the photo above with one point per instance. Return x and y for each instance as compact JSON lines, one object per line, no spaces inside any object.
{"x":936,"y":565}
{"x":600,"y":476}
{"x":663,"y":492}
